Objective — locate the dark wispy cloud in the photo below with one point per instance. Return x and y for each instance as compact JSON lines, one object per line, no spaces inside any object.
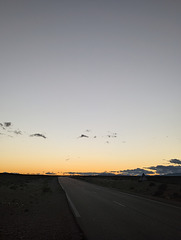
{"x":132,"y":172}
{"x":7,"y":124}
{"x":82,"y":135}
{"x":166,"y":170}
{"x":114,"y":172}
{"x":107,"y":174}
{"x":112,"y":135}
{"x":2,"y":126}
{"x":135,"y":172}
{"x":159,"y":169}
{"x":37,"y":135}
{"x":175,"y":161}
{"x":50,"y":173}
{"x":83,"y":173}
{"x":108,"y":135}
{"x":18,"y":132}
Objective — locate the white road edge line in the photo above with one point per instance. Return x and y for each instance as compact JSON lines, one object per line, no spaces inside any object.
{"x":76,"y":213}
{"x":119,"y":204}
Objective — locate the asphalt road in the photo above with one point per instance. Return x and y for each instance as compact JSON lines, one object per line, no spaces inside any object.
{"x":107,"y":214}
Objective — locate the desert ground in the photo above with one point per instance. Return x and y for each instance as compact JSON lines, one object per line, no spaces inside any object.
{"x":35,"y":207}
{"x":160,"y":188}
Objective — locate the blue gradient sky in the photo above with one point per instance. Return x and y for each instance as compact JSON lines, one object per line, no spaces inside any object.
{"x":107,"y":66}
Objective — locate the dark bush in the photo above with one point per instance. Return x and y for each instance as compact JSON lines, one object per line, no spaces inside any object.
{"x":13,"y":187}
{"x":161,"y":189}
{"x":175,"y":195}
{"x":152,"y":184}
{"x":46,"y":189}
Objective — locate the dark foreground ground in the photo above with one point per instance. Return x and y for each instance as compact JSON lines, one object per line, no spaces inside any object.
{"x":35,"y":207}
{"x":163,"y":188}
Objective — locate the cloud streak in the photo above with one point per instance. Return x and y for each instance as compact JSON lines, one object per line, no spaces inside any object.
{"x":159,"y":170}
{"x":83,"y":136}
{"x":50,"y":173}
{"x":7,"y":124}
{"x":166,"y":170}
{"x":83,"y":173}
{"x":175,"y":161}
{"x":2,"y":126}
{"x":5,"y":127}
{"x":135,"y":172}
{"x":109,"y":135}
{"x":17,"y":132}
{"x":37,"y":135}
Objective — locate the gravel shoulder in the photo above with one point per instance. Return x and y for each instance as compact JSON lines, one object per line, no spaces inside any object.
{"x":35,"y":207}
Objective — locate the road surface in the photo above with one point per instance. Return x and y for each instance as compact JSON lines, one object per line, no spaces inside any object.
{"x":107,"y":214}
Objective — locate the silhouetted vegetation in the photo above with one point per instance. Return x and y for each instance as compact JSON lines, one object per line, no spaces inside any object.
{"x":161,"y":189}
{"x":46,"y":189}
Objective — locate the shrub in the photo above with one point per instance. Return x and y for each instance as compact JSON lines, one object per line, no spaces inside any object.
{"x":175,"y":195}
{"x":161,"y":189}
{"x":152,"y":184}
{"x":13,"y":187}
{"x":46,"y":189}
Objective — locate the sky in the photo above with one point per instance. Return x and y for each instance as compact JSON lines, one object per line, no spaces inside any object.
{"x":89,"y":85}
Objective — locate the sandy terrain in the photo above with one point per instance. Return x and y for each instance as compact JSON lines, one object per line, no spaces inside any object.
{"x":35,"y":207}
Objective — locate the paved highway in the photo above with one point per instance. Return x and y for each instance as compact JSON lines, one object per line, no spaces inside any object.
{"x":107,"y":214}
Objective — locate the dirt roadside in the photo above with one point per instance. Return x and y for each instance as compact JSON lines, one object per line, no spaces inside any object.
{"x":36,"y":208}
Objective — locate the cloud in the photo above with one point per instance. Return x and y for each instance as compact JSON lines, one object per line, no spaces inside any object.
{"x":134,"y":172}
{"x":50,"y":173}
{"x":17,"y":132}
{"x":112,"y":135}
{"x":166,"y":170}
{"x":82,"y":135}
{"x":175,"y":161}
{"x":107,"y":174}
{"x":159,"y":169}
{"x":83,"y":173}
{"x":2,"y":126}
{"x":37,"y":135}
{"x":7,"y":124}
